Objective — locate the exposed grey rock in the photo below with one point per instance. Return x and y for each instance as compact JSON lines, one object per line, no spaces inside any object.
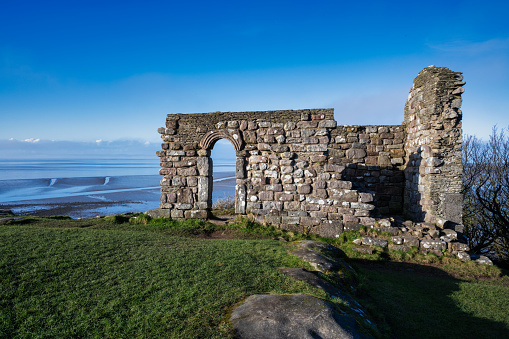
{"x":374,"y":242}
{"x":158,"y":213}
{"x":364,"y":250}
{"x":449,"y":235}
{"x":463,"y":256}
{"x":384,"y":223}
{"x":318,"y":262}
{"x":397,"y":240}
{"x":313,"y":245}
{"x":481,"y":259}
{"x":434,"y":233}
{"x":410,"y":241}
{"x":402,"y":248}
{"x":314,"y":280}
{"x":433,"y":244}
{"x":291,"y":316}
{"x":302,"y":274}
{"x":458,"y":246}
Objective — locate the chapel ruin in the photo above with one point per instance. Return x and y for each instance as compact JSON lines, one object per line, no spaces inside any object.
{"x":300,"y":170}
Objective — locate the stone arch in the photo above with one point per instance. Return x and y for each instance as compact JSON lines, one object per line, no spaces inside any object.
{"x":232,"y":135}
{"x":235,"y":137}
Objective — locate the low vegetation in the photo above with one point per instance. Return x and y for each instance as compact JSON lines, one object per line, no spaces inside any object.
{"x":132,"y":276}
{"x":224,"y":206}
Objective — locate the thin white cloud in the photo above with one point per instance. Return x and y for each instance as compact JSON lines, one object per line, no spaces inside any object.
{"x":32,"y":140}
{"x":482,"y":47}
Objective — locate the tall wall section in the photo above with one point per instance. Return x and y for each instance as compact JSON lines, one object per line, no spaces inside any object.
{"x":433,"y":146}
{"x":300,"y":170}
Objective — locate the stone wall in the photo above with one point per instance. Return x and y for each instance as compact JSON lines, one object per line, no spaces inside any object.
{"x":433,"y":146}
{"x":300,"y":170}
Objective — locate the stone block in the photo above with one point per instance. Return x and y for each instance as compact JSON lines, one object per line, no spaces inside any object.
{"x":433,"y":244}
{"x":309,"y":221}
{"x":177,"y":214}
{"x":272,"y":219}
{"x":330,"y":229}
{"x":340,"y":184}
{"x":362,"y":206}
{"x":203,"y":188}
{"x":367,"y":221}
{"x":397,"y":240}
{"x":185,"y":196}
{"x":175,"y":153}
{"x":316,"y":148}
{"x":307,"y":124}
{"x":187,"y":171}
{"x":410,"y":241}
{"x":350,"y":219}
{"x":320,"y":193}
{"x":351,"y":226}
{"x":253,"y":206}
{"x":355,"y":153}
{"x":203,"y":165}
{"x":240,"y":199}
{"x":272,"y":205}
{"x":399,"y":247}
{"x":196,"y":214}
{"x":295,"y":220}
{"x":250,"y":137}
{"x":363,"y":250}
{"x":397,"y":153}
{"x":374,"y":242}
{"x":365,"y":197}
{"x":266,"y":195}
{"x":304,"y":189}
{"x":458,"y":246}
{"x":240,"y":168}
{"x":279,"y":196}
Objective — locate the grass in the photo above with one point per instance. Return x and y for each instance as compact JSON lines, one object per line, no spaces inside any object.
{"x":430,"y":303}
{"x":95,"y":278}
{"x":425,"y":296}
{"x":136,"y":277}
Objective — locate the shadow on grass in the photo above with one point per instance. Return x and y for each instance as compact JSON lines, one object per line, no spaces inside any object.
{"x":419,"y":301}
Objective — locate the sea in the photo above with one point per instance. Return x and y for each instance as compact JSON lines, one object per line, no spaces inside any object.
{"x":85,"y":188}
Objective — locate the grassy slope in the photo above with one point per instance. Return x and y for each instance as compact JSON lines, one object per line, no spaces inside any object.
{"x":130,"y":281}
{"x":427,"y":303}
{"x":99,"y":279}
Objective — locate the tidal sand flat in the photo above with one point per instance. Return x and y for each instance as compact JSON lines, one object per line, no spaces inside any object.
{"x":87,"y":197}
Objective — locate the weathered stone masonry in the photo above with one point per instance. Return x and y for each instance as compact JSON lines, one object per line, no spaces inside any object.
{"x":300,"y":170}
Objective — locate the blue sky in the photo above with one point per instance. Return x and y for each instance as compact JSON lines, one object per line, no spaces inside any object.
{"x":94,"y":72}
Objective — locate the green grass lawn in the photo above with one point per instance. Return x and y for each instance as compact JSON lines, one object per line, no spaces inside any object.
{"x":88,"y":278}
{"x":108,"y":278}
{"x":418,"y":301}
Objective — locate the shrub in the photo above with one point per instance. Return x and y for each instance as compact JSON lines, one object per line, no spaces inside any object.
{"x":486,"y":194}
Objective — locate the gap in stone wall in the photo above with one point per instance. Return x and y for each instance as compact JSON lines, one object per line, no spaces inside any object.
{"x":223,"y":171}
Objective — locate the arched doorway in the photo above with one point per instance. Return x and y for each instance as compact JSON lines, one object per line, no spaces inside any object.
{"x":235,"y":138}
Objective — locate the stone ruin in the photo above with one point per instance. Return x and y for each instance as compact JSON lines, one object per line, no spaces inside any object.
{"x":300,"y":170}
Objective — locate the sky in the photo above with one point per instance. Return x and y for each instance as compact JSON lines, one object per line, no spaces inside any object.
{"x":90,"y":77}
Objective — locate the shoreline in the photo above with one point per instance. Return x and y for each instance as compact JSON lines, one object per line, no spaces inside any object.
{"x":88,"y":197}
